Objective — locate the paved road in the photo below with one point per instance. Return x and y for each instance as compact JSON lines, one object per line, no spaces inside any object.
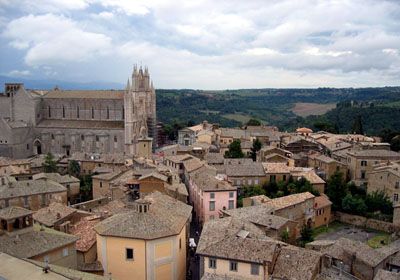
{"x":193,"y":270}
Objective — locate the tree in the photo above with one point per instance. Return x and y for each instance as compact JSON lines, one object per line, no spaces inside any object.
{"x":306,"y":235}
{"x":74,"y":169}
{"x":50,"y":164}
{"x":336,"y":190}
{"x":235,"y":150}
{"x":358,"y":126}
{"x":190,"y":123}
{"x":248,"y":191}
{"x":254,"y":122}
{"x":86,"y":187}
{"x":285,"y":235}
{"x":271,"y":189}
{"x":256,"y":147}
{"x":395,"y":143}
{"x":354,"y":205}
{"x":379,"y":201}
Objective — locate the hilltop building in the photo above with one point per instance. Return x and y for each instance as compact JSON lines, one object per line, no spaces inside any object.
{"x":67,"y":121}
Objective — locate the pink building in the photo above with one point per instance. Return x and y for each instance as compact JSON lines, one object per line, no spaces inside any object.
{"x":209,"y":194}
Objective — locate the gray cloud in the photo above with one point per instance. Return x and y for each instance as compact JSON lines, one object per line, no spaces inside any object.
{"x":209,"y":44}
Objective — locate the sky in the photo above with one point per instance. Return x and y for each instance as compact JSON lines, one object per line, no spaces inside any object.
{"x":204,"y":44}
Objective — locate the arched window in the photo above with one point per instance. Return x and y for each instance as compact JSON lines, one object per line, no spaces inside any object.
{"x":92,"y":113}
{"x":49,"y":112}
{"x":77,"y":112}
{"x":123,"y":112}
{"x":108,"y":113}
{"x":63,"y":111}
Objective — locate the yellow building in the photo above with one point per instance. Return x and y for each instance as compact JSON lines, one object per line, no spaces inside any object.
{"x":147,"y":241}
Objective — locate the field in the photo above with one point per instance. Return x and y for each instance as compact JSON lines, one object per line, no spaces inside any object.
{"x":307,"y":109}
{"x":237,"y":117}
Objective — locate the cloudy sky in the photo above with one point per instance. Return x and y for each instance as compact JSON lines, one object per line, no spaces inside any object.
{"x":204,"y":44}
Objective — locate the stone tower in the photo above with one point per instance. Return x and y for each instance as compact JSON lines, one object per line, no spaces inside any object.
{"x":139,"y":108}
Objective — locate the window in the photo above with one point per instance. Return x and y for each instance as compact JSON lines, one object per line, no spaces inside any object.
{"x":27,"y":146}
{"x":123,"y":112}
{"x":256,"y":182}
{"x":212,"y":205}
{"x":363,"y":163}
{"x":77,"y":112}
{"x":362,"y":174}
{"x":212,"y":195}
{"x":101,"y":184}
{"x":108,"y":113}
{"x":396,"y":197}
{"x":52,"y":137}
{"x":255,"y":269}
{"x":115,"y":139}
{"x":129,"y":254}
{"x":92,"y":113}
{"x":397,"y":185}
{"x":212,"y":263}
{"x":233,"y":266}
{"x":97,"y":138}
{"x":65,"y":252}
{"x":231,"y":204}
{"x":63,"y":111}
{"x":49,"y":112}
{"x":83,"y":137}
{"x":284,"y":177}
{"x":231,"y":194}
{"x":249,"y":182}
{"x":180,"y":243}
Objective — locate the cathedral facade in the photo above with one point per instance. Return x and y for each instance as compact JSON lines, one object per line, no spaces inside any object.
{"x":67,"y":121}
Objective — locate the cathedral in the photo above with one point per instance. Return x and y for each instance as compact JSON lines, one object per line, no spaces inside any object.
{"x":67,"y":121}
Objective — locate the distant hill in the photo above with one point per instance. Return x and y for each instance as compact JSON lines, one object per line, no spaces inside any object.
{"x":378,"y":108}
{"x":50,"y":84}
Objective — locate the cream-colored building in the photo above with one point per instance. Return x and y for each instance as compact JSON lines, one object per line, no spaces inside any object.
{"x":385,"y":177}
{"x":360,"y":163}
{"x":326,"y":166}
{"x":71,"y":183}
{"x":231,"y":248}
{"x":32,"y":194}
{"x":148,"y":241}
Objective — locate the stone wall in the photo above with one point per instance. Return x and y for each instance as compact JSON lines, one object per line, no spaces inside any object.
{"x":366,"y":223}
{"x":89,"y":205}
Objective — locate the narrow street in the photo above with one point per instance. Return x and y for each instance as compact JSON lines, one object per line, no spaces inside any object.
{"x":194,"y":265}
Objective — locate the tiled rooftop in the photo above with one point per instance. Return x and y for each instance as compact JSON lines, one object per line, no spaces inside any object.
{"x":247,"y":170}
{"x":289,"y":200}
{"x":375,"y":153}
{"x":13,"y":212}
{"x":56,"y":177}
{"x":167,"y":216}
{"x":219,"y":238}
{"x":259,"y":215}
{"x":85,"y":232}
{"x":14,"y":188}
{"x":321,"y":201}
{"x":53,"y":213}
{"x":33,"y":243}
{"x":15,"y":268}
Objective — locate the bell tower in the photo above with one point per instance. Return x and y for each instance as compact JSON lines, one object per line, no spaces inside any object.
{"x":140,"y":108}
